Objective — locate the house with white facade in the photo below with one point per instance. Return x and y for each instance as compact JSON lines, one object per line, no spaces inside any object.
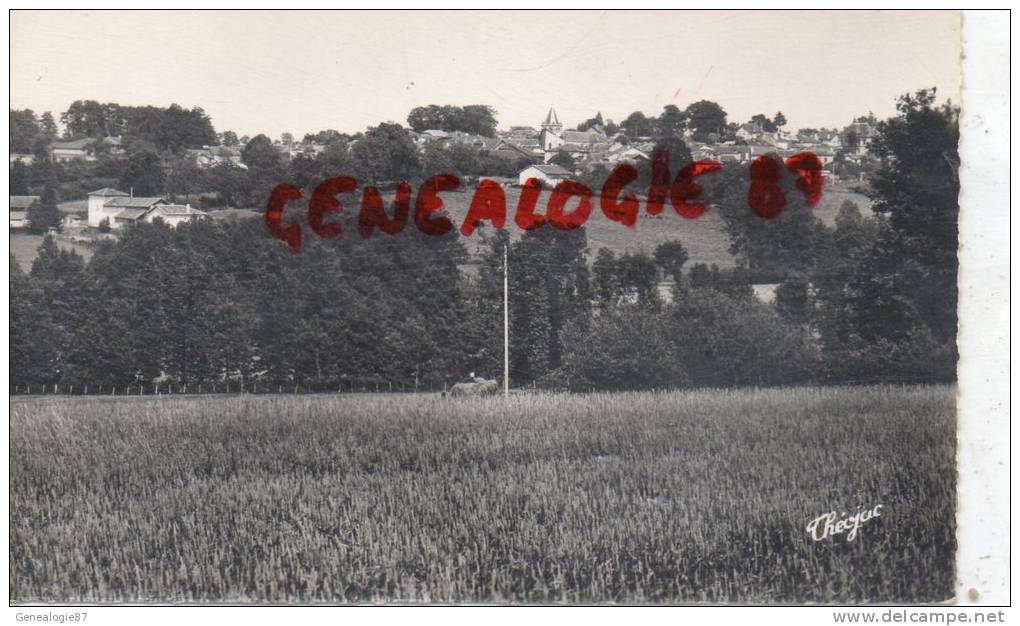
{"x":549,"y":174}
{"x":75,"y":150}
{"x":119,"y":209}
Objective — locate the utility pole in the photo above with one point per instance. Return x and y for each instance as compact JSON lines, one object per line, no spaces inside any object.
{"x":506,"y":320}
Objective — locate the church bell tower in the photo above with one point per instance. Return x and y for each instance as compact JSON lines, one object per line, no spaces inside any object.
{"x":552,"y":122}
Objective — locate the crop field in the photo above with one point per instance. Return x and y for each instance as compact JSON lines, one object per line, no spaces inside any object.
{"x":671,"y":497}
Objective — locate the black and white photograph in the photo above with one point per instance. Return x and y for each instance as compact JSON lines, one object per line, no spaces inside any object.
{"x":485,"y":307}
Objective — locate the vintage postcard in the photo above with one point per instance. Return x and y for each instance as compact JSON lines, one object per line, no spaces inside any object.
{"x":496,"y":307}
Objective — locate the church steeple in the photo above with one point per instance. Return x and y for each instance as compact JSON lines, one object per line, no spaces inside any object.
{"x":552,"y":122}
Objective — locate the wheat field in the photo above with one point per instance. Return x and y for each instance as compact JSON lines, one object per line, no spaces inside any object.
{"x":672,"y":497}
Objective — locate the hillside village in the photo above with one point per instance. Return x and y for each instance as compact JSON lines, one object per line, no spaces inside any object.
{"x":791,"y":278}
{"x":550,"y":151}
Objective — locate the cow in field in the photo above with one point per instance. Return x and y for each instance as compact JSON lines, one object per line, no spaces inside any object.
{"x":479,"y":387}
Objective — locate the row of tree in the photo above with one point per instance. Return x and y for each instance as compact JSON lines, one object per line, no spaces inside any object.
{"x":161,"y":128}
{"x":210,"y":302}
{"x":705,"y":119}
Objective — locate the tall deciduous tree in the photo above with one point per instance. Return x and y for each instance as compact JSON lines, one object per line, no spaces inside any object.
{"x":887,"y":298}
{"x":44,"y":214}
{"x":474,"y":118}
{"x":19,"y":179}
{"x":671,"y":123}
{"x":386,"y":153}
{"x":918,"y":188}
{"x":705,"y":119}
{"x":671,"y":256}
{"x":549,"y":286}
{"x":23,"y":129}
{"x":638,"y":124}
{"x":88,"y":118}
{"x":144,"y":174}
{"x":261,"y":153}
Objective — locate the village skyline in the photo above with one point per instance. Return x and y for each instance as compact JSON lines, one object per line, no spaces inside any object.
{"x":567,"y":123}
{"x":681,"y":58}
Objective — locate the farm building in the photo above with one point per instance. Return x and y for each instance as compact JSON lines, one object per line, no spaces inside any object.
{"x":76,"y":150}
{"x":549,"y":174}
{"x":19,"y":206}
{"x":174,"y":214}
{"x":119,"y":209}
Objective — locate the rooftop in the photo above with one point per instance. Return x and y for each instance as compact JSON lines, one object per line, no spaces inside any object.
{"x":168,"y":210}
{"x":107,"y":192}
{"x":133,"y":203}
{"x":23,"y":202}
{"x":552,"y":169}
{"x":75,"y":144}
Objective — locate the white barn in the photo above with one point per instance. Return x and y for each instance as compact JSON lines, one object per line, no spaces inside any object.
{"x":549,"y":174}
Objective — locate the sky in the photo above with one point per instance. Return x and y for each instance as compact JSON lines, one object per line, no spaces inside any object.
{"x":274,"y":72}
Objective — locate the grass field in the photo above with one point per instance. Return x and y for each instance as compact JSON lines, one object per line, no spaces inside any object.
{"x":698,"y":496}
{"x":25,"y":248}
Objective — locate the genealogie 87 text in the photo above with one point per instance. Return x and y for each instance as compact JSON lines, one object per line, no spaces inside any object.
{"x":765,"y":198}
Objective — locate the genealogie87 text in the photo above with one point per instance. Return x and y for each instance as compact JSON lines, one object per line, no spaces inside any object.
{"x":765,"y":198}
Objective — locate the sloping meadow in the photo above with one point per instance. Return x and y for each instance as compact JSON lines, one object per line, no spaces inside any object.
{"x":677,"y":497}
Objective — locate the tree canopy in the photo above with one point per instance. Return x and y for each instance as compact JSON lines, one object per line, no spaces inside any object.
{"x":706,"y":119}
{"x":478,"y":119}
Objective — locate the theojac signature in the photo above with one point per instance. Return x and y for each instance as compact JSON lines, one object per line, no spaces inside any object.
{"x":830,"y":525}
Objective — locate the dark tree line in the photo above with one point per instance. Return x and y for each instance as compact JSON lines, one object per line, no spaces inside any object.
{"x":169,"y":129}
{"x":29,"y":133}
{"x":478,"y":119}
{"x":705,"y":119}
{"x":211,"y":301}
